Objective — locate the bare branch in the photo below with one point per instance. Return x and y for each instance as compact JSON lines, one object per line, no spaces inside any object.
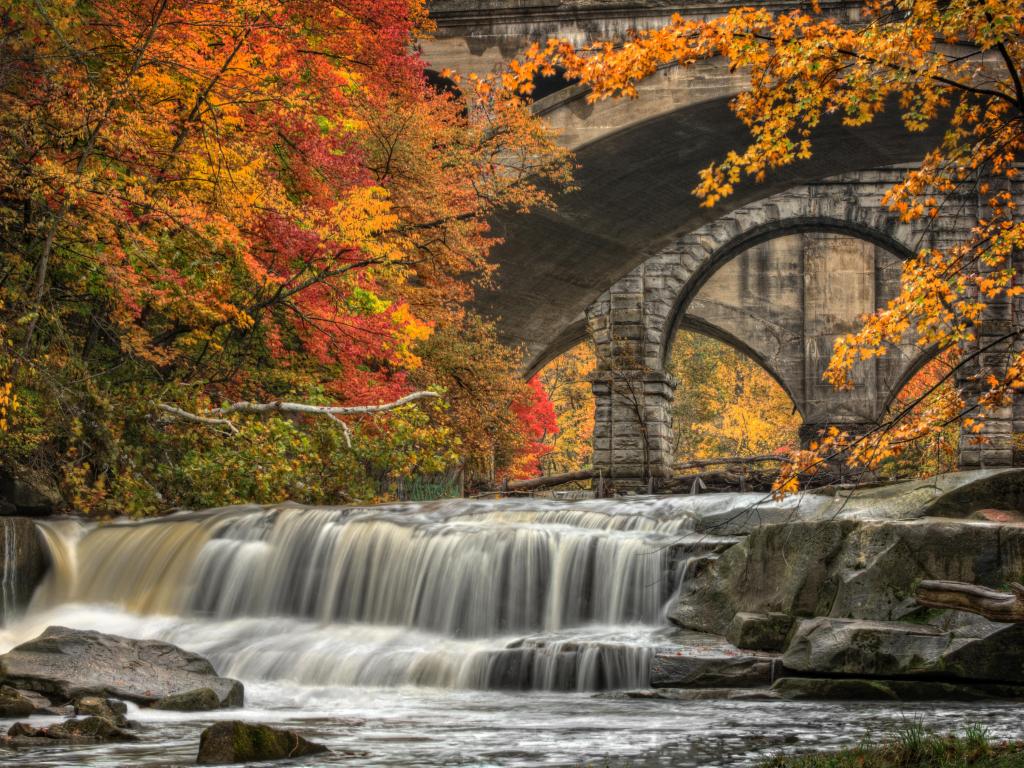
{"x":326,"y":410}
{"x":196,"y":418}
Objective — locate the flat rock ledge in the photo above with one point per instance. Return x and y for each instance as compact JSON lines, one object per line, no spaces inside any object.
{"x":66,"y":665}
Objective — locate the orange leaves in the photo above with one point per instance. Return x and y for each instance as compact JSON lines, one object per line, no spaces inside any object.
{"x":806,"y":67}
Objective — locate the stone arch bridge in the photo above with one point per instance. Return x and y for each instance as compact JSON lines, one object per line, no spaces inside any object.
{"x":777,"y":270}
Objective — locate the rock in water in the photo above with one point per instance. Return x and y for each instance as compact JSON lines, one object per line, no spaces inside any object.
{"x":199,"y":700}
{"x":68,"y":664}
{"x":13,"y":703}
{"x":86,"y":730}
{"x":238,"y":742}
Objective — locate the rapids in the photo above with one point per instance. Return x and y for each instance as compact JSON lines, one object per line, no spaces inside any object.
{"x":446,"y":633}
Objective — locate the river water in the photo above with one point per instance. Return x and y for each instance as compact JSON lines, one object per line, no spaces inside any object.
{"x":468,"y":633}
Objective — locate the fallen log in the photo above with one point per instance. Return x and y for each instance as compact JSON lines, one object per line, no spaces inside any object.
{"x":548,"y":481}
{"x":729,"y":461}
{"x":961,"y":596}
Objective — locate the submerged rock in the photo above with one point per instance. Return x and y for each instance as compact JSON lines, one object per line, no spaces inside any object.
{"x":86,"y":730}
{"x":237,"y":742}
{"x":67,"y":664}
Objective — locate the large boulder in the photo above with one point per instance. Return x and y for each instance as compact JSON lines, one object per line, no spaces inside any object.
{"x":989,"y":653}
{"x":66,"y":664}
{"x":847,"y":568}
{"x":237,"y":742}
{"x":23,"y":562}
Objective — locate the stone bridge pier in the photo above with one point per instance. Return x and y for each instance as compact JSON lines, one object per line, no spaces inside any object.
{"x":779,"y":280}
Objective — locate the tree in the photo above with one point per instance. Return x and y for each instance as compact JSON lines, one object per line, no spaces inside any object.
{"x":725,"y":404}
{"x":955,"y":65}
{"x":211,"y":202}
{"x":566,"y":382}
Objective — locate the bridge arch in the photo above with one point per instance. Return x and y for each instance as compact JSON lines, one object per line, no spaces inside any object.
{"x":837,"y":254}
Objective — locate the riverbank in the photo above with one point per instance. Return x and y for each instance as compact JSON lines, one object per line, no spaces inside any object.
{"x":913,"y":746}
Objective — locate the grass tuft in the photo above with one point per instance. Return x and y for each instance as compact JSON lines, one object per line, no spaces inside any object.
{"x":915,"y":746}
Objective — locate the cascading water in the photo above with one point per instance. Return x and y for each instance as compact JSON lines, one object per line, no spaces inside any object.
{"x":408,"y":632}
{"x":467,"y":594}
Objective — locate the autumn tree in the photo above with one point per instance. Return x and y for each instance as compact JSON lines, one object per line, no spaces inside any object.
{"x":566,"y":382}
{"x":207,"y":203}
{"x":953,"y":66}
{"x":726,"y":405}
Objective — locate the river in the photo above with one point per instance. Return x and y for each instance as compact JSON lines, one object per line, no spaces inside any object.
{"x":468,"y":633}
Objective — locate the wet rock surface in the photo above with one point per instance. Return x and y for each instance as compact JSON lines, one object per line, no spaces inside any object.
{"x":854,"y":689}
{"x":86,"y":730}
{"x":675,"y":670}
{"x":23,"y":563}
{"x":67,"y":664}
{"x":895,"y":649}
{"x":759,"y":631}
{"x":237,"y":742}
{"x":199,"y":700}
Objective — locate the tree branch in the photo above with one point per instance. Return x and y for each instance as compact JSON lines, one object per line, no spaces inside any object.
{"x":196,"y":418}
{"x":325,"y":410}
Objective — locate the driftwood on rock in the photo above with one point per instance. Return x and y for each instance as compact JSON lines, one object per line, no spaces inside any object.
{"x":960,"y":596}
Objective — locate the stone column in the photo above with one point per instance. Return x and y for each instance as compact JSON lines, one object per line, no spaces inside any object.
{"x":633,"y":395}
{"x":633,"y":427}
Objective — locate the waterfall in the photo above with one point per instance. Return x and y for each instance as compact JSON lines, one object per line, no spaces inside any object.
{"x":497,"y":594}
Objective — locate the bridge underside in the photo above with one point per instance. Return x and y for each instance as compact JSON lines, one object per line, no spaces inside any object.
{"x":635,"y":195}
{"x":777,"y":270}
